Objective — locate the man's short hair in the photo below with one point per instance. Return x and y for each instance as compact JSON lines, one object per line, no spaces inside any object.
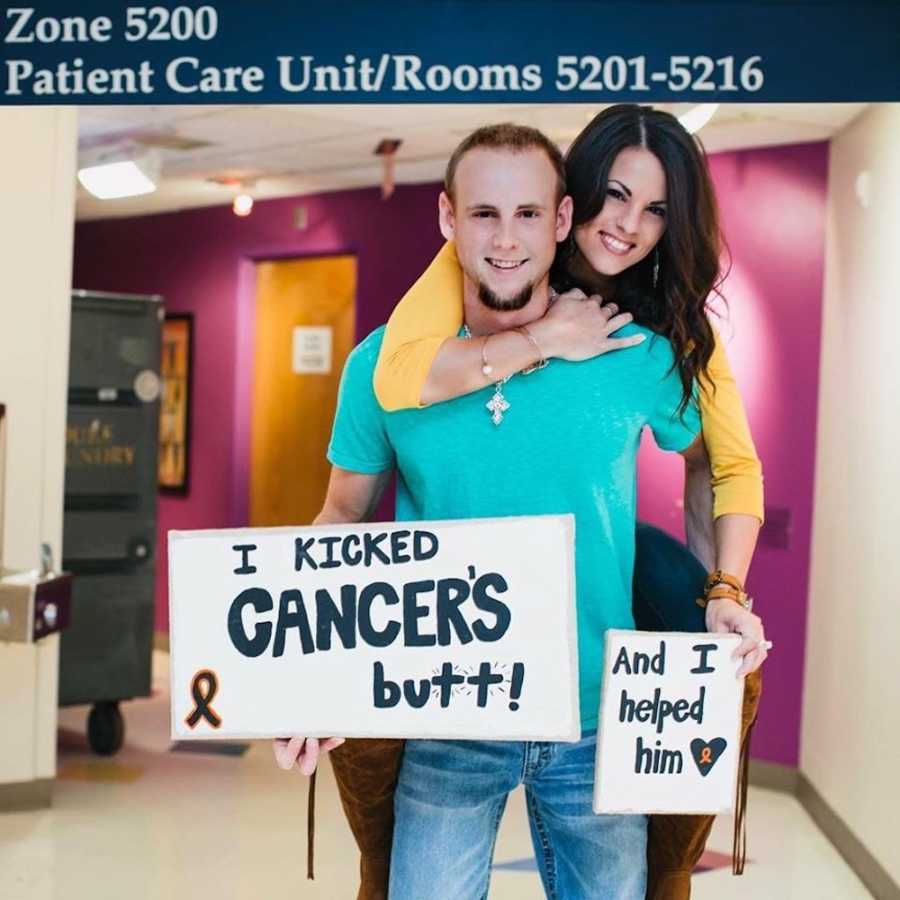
{"x":516,"y":139}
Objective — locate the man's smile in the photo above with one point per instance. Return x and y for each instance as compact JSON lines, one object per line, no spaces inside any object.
{"x":505,"y":265}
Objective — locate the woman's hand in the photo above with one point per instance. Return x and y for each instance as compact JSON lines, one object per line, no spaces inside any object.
{"x":578,"y":327}
{"x":724,"y":616}
{"x":303,"y":752}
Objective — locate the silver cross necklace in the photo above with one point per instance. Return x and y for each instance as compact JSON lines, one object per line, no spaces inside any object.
{"x":498,"y":404}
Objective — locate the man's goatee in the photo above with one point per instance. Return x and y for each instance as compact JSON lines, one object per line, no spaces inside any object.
{"x":497,"y":303}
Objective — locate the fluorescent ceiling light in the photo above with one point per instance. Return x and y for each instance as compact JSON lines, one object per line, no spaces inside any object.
{"x":698,"y":116}
{"x":120,"y":172}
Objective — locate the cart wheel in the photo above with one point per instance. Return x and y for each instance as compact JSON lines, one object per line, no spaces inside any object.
{"x":106,"y":728}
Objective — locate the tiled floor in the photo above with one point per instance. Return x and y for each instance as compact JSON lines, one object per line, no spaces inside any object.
{"x":151,"y":823}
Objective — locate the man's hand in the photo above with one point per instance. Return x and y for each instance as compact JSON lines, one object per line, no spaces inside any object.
{"x":724,"y":616}
{"x":577,"y":327}
{"x":303,"y":752}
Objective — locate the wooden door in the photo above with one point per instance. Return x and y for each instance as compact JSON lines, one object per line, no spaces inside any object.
{"x":300,"y":304}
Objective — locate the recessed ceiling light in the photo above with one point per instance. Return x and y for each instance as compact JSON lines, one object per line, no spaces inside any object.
{"x":242,"y":205}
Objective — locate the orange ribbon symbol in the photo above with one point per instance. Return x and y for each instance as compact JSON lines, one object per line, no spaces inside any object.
{"x":706,"y":753}
{"x":203,"y":698}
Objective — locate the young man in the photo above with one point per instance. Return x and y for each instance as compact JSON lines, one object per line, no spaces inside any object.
{"x":566,"y":443}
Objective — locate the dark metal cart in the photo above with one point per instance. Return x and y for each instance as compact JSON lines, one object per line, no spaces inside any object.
{"x":109,"y":526}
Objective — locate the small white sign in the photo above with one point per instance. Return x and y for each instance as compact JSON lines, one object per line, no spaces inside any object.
{"x":312,"y":350}
{"x":460,"y":629}
{"x":670,"y":719}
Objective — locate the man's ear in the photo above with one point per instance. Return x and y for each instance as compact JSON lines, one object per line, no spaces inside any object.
{"x":446,"y":218}
{"x":563,"y":218}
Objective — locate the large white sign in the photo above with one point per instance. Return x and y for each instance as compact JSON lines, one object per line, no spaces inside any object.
{"x":459,"y":629}
{"x":670,"y":718}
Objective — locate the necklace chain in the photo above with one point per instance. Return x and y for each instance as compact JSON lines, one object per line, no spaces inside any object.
{"x":498,"y":404}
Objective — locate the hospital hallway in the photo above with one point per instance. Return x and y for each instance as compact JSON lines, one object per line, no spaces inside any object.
{"x":158,"y":821}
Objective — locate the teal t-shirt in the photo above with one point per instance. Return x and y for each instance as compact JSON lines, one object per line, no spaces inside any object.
{"x":567,"y":444}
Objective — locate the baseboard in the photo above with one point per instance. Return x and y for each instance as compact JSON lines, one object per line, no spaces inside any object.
{"x":872,"y":874}
{"x":774,"y":776}
{"x":22,"y":796}
{"x":789,"y":780}
{"x":161,"y":641}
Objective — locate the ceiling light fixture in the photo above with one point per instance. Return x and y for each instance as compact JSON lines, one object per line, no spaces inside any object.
{"x":242,"y":202}
{"x":110,"y":173}
{"x":698,"y":116}
{"x":242,"y":205}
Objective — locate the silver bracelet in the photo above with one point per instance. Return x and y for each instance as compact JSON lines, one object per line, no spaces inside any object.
{"x":542,"y":360}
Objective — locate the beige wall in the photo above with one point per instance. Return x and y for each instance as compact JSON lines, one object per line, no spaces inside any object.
{"x":37,"y":189}
{"x":851,"y":720}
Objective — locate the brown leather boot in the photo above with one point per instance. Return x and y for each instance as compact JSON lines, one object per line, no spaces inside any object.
{"x":366,"y":773}
{"x":675,"y":843}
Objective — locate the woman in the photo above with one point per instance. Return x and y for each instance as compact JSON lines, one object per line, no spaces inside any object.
{"x":646,"y":237}
{"x":663,"y":280}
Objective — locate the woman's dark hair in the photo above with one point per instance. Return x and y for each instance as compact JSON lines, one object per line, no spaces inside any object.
{"x":691,"y":245}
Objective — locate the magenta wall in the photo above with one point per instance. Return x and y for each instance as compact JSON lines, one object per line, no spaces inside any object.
{"x":773,"y":205}
{"x":773,"y":210}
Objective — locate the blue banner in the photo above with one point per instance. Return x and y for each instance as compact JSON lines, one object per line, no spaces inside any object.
{"x":489,"y":51}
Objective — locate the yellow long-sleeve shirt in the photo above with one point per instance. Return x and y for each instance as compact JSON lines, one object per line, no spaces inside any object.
{"x":431,"y":311}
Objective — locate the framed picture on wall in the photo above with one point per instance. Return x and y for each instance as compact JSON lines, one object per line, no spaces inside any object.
{"x":175,"y":409}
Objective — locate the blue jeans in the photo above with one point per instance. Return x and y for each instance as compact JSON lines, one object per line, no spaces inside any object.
{"x":448,"y":804}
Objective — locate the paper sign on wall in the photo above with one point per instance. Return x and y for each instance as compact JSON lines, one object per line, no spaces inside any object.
{"x":670,"y":721}
{"x":311,"y":350}
{"x":460,"y":629}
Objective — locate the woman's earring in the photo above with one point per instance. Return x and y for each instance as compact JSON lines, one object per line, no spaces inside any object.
{"x":655,"y":268}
